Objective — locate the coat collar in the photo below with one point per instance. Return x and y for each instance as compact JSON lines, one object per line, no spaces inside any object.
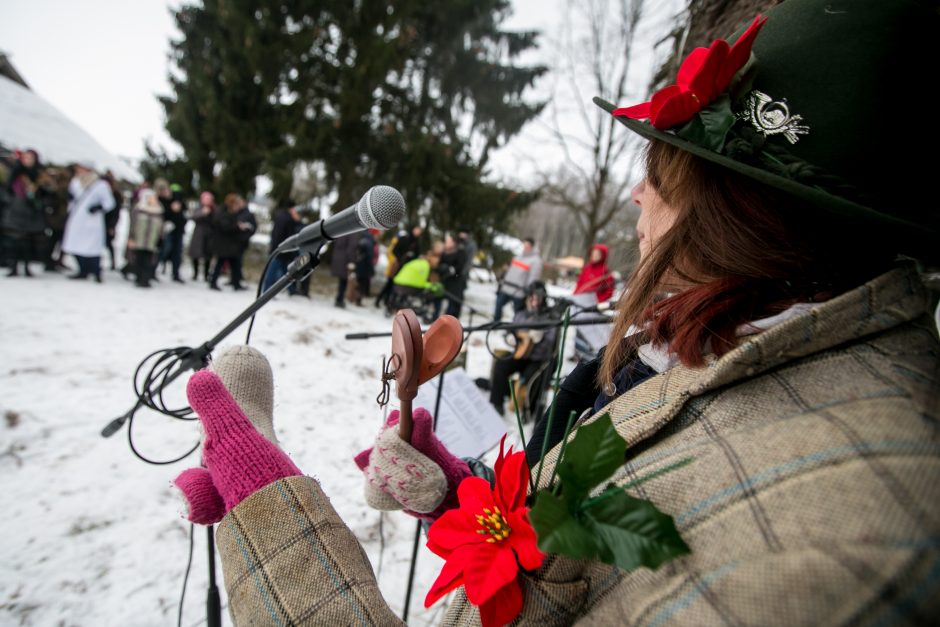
{"x":887,"y":301}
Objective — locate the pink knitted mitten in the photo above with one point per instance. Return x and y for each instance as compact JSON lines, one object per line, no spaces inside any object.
{"x":420,"y":477}
{"x":239,"y":460}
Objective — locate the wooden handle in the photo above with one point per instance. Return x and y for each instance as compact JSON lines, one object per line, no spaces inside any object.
{"x":405,"y":422}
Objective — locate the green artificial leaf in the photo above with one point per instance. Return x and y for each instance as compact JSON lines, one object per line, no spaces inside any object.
{"x":593,"y":455}
{"x":631,"y":532}
{"x":743,"y":80}
{"x":709,"y":127}
{"x":558,"y":531}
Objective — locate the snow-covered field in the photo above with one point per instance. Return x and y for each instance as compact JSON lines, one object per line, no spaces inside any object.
{"x":93,"y":536}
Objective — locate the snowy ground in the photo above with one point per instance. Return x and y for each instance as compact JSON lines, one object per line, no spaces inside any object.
{"x":93,"y":536}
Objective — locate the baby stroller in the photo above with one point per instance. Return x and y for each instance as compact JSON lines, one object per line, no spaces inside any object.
{"x":414,"y":290}
{"x":420,"y":300}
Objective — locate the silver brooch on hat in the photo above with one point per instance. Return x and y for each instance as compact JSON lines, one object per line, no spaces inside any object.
{"x":772,"y":117}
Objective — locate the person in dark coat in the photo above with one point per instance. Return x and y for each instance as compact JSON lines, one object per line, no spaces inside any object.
{"x":23,"y":219}
{"x":452,"y":271}
{"x":111,"y":218}
{"x":286,"y":223}
{"x":200,"y":245}
{"x":233,"y":229}
{"x":344,"y":253}
{"x":365,"y":263}
{"x":173,"y":214}
{"x":57,"y":212}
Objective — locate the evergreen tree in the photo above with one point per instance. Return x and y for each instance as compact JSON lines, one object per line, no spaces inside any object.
{"x":223,"y":113}
{"x":408,"y":93}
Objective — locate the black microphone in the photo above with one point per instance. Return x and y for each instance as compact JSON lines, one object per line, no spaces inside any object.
{"x":381,"y":207}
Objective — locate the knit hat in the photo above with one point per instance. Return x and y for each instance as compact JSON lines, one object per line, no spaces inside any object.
{"x":826,"y":109}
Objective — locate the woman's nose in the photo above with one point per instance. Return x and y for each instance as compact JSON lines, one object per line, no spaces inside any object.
{"x":636,"y":194}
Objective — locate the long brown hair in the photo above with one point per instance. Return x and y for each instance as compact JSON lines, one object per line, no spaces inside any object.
{"x":737,"y":251}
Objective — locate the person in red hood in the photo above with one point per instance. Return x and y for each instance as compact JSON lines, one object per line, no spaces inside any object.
{"x":596,"y":276}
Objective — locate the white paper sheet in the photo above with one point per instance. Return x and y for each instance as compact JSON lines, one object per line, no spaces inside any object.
{"x":467,"y":424}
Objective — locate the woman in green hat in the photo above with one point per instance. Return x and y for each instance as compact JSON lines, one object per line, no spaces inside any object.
{"x":784,"y":347}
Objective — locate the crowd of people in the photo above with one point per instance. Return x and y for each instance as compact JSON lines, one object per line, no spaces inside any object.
{"x":219,"y":240}
{"x":50,"y":213}
{"x":46,"y":213}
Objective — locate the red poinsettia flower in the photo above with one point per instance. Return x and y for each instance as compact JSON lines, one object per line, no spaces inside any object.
{"x":703,"y":76}
{"x":485,"y":541}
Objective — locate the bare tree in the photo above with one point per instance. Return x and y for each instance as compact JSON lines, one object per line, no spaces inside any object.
{"x":551,"y":225}
{"x":595,"y":52}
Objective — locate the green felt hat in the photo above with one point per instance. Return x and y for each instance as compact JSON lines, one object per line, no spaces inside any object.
{"x":836,"y":107}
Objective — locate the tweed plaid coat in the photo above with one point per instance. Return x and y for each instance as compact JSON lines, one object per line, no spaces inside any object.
{"x":812,"y":497}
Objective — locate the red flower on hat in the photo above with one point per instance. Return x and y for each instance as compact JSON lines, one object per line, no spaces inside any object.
{"x":703,"y":76}
{"x":486,"y":540}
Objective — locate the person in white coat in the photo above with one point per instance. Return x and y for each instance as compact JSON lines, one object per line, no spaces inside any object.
{"x":84,"y":236}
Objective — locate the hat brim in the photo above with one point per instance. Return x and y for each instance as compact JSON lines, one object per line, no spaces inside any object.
{"x":816,"y":196}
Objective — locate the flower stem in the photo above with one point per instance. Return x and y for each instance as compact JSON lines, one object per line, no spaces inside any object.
{"x":515,"y":404}
{"x":564,"y":443}
{"x":555,"y":384}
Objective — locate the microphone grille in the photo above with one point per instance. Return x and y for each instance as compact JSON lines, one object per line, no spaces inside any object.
{"x":382,"y":207}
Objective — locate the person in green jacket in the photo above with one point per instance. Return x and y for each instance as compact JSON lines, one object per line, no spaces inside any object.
{"x":416,"y":277}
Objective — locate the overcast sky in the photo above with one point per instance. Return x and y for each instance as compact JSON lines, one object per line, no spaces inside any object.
{"x":101,"y":62}
{"x":104,"y":62}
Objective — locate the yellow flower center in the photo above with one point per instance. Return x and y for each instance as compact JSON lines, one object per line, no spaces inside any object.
{"x":493,"y":524}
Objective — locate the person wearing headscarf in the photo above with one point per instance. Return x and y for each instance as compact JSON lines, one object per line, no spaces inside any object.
{"x":144,"y":236}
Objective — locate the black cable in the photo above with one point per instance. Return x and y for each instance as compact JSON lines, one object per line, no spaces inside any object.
{"x":165,"y":362}
{"x":264,"y":273}
{"x":189,"y":563}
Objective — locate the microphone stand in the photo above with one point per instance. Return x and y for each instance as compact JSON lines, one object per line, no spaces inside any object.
{"x":197,"y":358}
{"x":418,"y":526}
